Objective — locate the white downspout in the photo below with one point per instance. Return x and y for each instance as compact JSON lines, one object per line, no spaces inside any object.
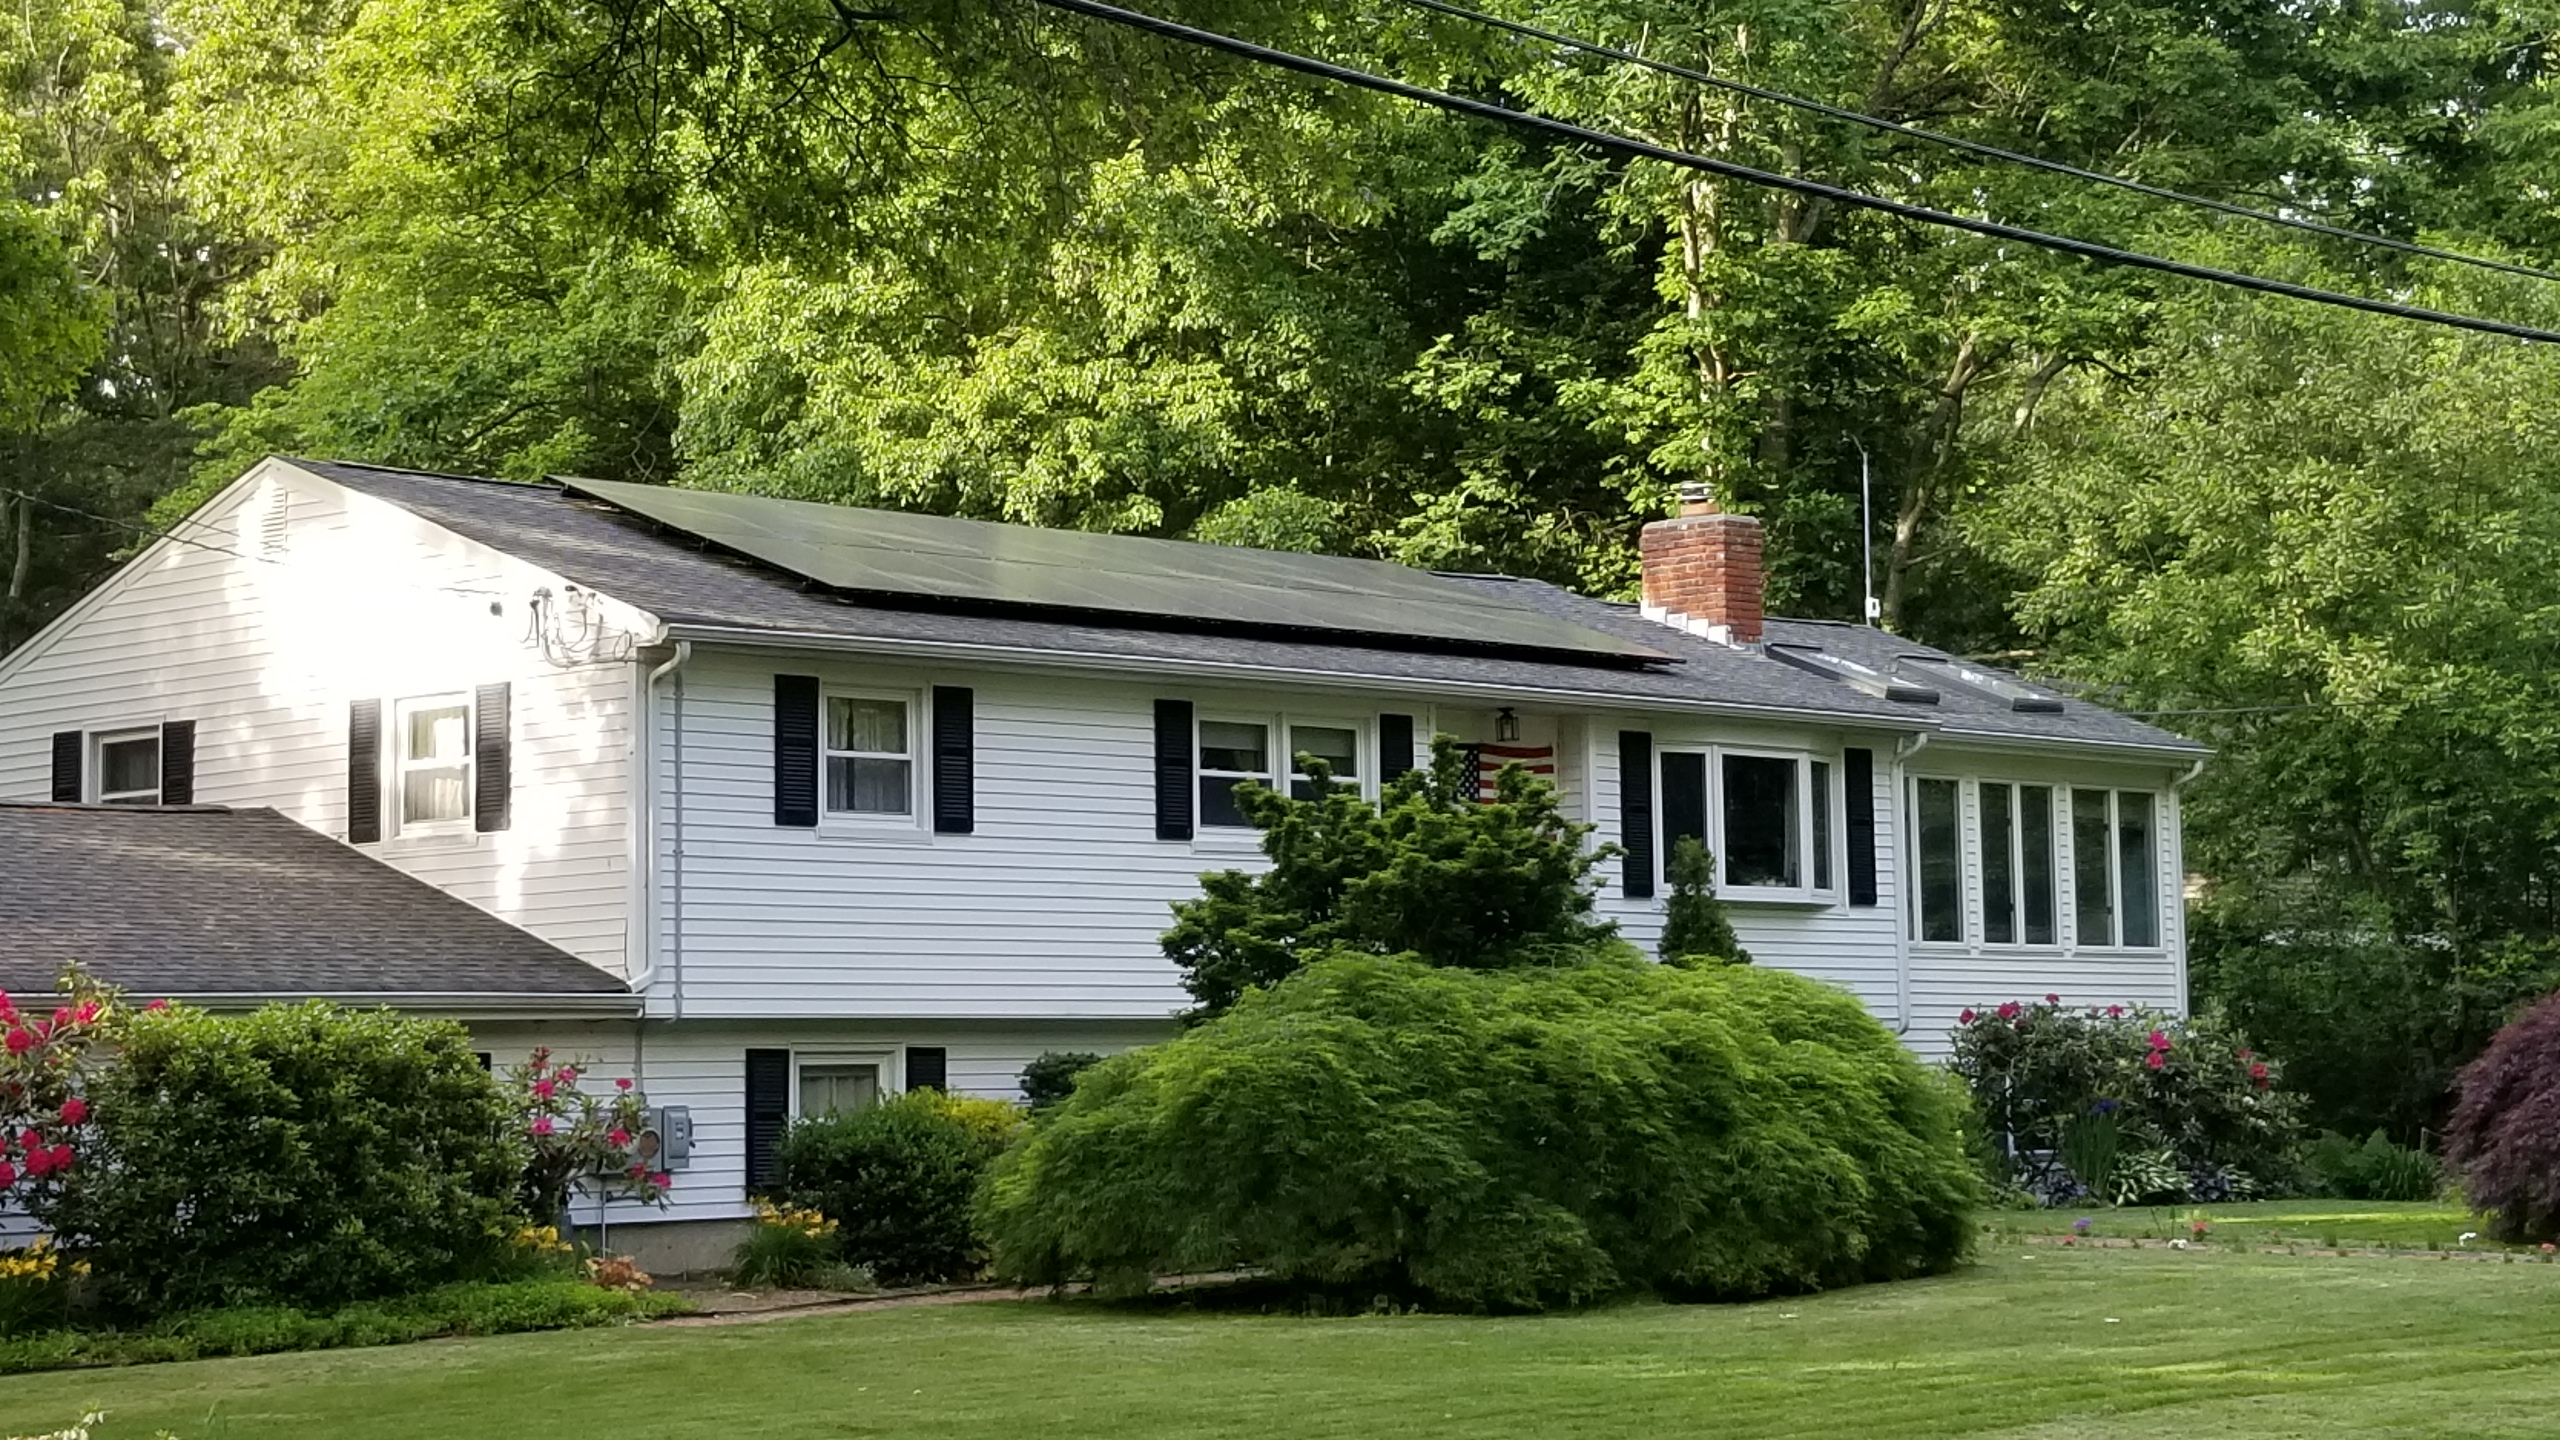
{"x":2178,"y":876}
{"x":1906,"y":864}
{"x":674,"y":942}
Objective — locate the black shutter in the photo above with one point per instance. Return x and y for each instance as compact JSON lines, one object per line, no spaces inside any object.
{"x":67,"y":748}
{"x":928,"y":1067}
{"x":492,"y":758}
{"x":178,"y":762}
{"x":1173,"y":769}
{"x":364,"y":771}
{"x":1395,"y":746}
{"x":795,"y":750}
{"x":1684,"y":798}
{"x":768,"y":1112}
{"x":1635,"y":812}
{"x":955,"y":760}
{"x":1858,"y":777}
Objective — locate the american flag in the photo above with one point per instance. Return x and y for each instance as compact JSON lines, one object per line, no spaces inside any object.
{"x":1539,"y":760}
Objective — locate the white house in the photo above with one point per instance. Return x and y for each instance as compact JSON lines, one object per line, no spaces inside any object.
{"x":847,"y":801}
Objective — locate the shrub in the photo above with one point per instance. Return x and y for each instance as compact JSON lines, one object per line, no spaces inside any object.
{"x":578,"y":1141}
{"x":2503,"y":1141}
{"x":300,"y":1155}
{"x":1432,"y":871}
{"x":2057,"y":1085}
{"x":35,"y":1287}
{"x":46,"y":1060}
{"x":898,"y":1180}
{"x":1052,"y":1077}
{"x":1695,"y":929}
{"x":786,"y":1247}
{"x":2374,"y":1170}
{"x":1502,"y":1141}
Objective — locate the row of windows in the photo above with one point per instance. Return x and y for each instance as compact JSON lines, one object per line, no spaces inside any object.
{"x":1766,"y":817}
{"x":2024,"y":835}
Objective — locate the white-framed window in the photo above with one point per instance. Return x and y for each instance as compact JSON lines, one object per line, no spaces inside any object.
{"x":431,"y":761}
{"x":2021,"y":867}
{"x":825,"y":1084}
{"x":1338,"y":745}
{"x":2115,"y":868}
{"x":1765,"y":813}
{"x":1231,"y":753}
{"x":127,"y":764}
{"x":1937,"y":848}
{"x":869,"y":755}
{"x":1234,"y":748}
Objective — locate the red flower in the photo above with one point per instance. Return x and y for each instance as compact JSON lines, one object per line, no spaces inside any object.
{"x":622,"y":1084}
{"x":8,"y":1174}
{"x":2053,"y":999}
{"x":74,"y":1110}
{"x":157,"y":1005}
{"x":61,"y":1158}
{"x":2158,"y":1040}
{"x":2115,"y":1012}
{"x":2009,"y":1010}
{"x":20,"y":1042}
{"x":618,"y":1136}
{"x":2159,"y":1059}
{"x":39,"y":1162}
{"x":544,"y":1088}
{"x":662,"y":1180}
{"x":87,"y":1013}
{"x":2258,"y":1074}
{"x":1965,"y":1018}
{"x":638,"y":1169}
{"x":542,"y":1125}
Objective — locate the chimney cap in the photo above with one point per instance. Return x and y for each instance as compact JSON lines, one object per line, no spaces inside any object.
{"x":1697,"y":497}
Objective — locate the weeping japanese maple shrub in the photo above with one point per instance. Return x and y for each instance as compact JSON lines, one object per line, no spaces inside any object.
{"x":2504,"y":1138}
{"x":1501,"y":1140}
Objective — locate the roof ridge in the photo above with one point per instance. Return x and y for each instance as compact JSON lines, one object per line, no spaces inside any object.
{"x":549,"y":483}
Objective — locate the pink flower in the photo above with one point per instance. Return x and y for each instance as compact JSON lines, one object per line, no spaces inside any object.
{"x":545,"y":1089}
{"x":61,"y":1158}
{"x":2258,"y":1074}
{"x":2053,"y":999}
{"x":662,"y":1180}
{"x":1965,"y":1018}
{"x":622,"y":1084}
{"x":20,"y":1042}
{"x":2159,"y":1059}
{"x":2248,"y":1055}
{"x":618,"y":1136}
{"x":2010,"y":1009}
{"x":542,"y":1125}
{"x":2115,"y":1012}
{"x":39,"y":1162}
{"x":74,"y":1110}
{"x":8,"y":1174}
{"x":87,"y":1013}
{"x":157,"y":1005}
{"x":29,"y":1141}
{"x":2158,"y":1041}
{"x":638,"y":1169}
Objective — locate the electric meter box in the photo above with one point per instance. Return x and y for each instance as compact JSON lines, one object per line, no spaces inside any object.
{"x":668,"y":1142}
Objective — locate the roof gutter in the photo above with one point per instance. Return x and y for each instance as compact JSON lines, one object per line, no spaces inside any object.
{"x":2057,"y":745}
{"x":794,"y":640}
{"x":621,"y":1004}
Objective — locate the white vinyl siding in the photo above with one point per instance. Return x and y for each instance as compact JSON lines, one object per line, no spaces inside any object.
{"x":263,"y":645}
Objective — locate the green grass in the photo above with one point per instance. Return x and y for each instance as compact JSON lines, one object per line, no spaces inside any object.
{"x":2376,"y":1224}
{"x":2035,"y":1343}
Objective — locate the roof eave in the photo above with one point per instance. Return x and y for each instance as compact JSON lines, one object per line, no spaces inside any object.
{"x":1041,"y":657}
{"x":2185,"y":752}
{"x":440,"y":1003}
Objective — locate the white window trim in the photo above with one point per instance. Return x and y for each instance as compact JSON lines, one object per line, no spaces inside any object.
{"x":919,"y":804}
{"x":2058,"y":808}
{"x":1279,"y":760}
{"x":96,"y":765}
{"x":396,"y":740}
{"x":1837,"y":824}
{"x":892,"y":1071}
{"x":1968,"y":861}
{"x":2115,"y":943}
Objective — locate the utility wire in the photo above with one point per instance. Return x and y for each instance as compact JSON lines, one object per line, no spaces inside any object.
{"x":155,"y":533}
{"x":1646,"y":150}
{"x":1976,"y":147}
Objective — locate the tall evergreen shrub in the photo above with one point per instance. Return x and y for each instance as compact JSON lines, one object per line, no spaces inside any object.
{"x":1695,"y":928}
{"x":1504,"y":1140}
{"x":300,"y":1155}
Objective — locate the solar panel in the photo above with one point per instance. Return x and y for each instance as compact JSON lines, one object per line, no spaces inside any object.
{"x":893,"y":553}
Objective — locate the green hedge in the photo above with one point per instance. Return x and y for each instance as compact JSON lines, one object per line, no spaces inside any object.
{"x":1502,"y":1141}
{"x":898,"y":1180}
{"x":260,"y":1330}
{"x":299,"y":1155}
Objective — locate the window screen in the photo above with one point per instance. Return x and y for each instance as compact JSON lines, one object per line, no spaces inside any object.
{"x":2093,"y":892}
{"x":1231,"y":752}
{"x":2137,"y":869}
{"x":1938,"y":826}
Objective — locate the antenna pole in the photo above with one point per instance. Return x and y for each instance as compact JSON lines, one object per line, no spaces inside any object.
{"x":1867,"y":528}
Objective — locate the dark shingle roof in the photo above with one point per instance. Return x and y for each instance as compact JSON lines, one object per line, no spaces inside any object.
{"x":204,"y":900}
{"x":1961,"y":711}
{"x":686,"y":585}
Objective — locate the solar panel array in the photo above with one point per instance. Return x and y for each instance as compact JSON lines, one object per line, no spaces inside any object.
{"x":934,"y":557}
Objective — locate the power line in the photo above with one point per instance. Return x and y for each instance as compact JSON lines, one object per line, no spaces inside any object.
{"x":154,"y":532}
{"x":1976,"y":147}
{"x":1646,"y":150}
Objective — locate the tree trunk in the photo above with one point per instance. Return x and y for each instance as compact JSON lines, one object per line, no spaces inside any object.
{"x":1944,"y":419}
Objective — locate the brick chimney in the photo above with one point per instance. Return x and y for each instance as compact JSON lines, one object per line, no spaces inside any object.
{"x":1702,"y":569}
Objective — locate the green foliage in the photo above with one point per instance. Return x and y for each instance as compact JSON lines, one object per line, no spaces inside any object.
{"x":1501,"y":1141}
{"x":462,"y":1309}
{"x":1430,"y":870}
{"x":2373,"y":1170}
{"x":300,"y":1154}
{"x":2077,"y":1099}
{"x":1695,"y":928}
{"x":1051,"y":1076}
{"x":790,"y":1248}
{"x":51,"y":325}
{"x":898,"y":1180}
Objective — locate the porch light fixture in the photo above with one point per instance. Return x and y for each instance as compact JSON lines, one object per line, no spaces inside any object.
{"x":1506,"y":726}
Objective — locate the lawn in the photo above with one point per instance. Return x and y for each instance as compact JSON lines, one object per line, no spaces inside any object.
{"x":2376,"y":1224}
{"x":2036,"y":1341}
